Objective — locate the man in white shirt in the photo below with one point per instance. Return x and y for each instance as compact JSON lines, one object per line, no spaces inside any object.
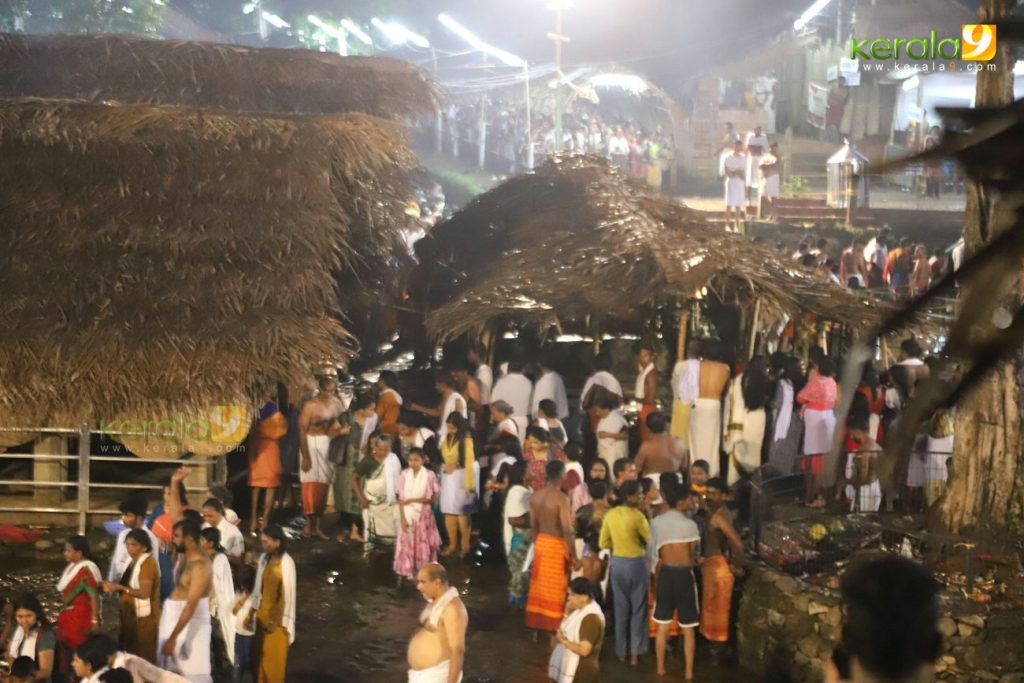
{"x":618,"y":148}
{"x":484,"y":375}
{"x":133,"y":516}
{"x":875,"y":254}
{"x":612,"y":432}
{"x":515,"y":389}
{"x":550,"y":386}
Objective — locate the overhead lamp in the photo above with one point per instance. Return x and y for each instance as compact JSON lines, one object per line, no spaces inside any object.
{"x":353,"y":28}
{"x":275,"y":20}
{"x":810,"y":13}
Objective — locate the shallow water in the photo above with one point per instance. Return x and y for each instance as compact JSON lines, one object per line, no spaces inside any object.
{"x":353,"y":625}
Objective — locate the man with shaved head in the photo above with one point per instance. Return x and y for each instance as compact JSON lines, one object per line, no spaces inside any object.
{"x":437,"y":651}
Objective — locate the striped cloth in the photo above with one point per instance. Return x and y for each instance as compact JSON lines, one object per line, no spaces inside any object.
{"x":549,"y":581}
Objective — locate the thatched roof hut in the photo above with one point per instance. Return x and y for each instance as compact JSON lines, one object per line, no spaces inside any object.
{"x":576,"y":239}
{"x":162,"y":260}
{"x":209,"y":76}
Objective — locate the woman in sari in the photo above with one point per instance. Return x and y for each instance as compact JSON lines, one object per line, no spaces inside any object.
{"x":575,"y":658}
{"x":418,"y":539}
{"x":33,"y":636}
{"x":517,"y":532}
{"x":378,"y":493}
{"x":348,"y":451}
{"x":139,"y":601}
{"x":273,"y":603}
{"x":459,"y":478}
{"x":79,"y":587}
{"x":222,"y":603}
{"x":265,"y":460}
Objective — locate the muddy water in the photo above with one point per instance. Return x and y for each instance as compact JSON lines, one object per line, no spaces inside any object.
{"x":353,"y":625}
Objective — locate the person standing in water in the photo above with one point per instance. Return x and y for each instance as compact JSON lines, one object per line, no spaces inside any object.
{"x":437,"y":651}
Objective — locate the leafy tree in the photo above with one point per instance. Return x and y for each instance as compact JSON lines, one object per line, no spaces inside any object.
{"x":81,"y":16}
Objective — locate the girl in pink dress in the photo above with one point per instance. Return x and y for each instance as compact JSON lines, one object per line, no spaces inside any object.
{"x":418,"y":539}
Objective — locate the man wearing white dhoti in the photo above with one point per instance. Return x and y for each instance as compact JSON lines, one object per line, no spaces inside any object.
{"x":183,"y":645}
{"x":757,"y":145}
{"x":771,"y":178}
{"x":436,"y":652}
{"x":706,"y":415}
{"x":733,"y":168}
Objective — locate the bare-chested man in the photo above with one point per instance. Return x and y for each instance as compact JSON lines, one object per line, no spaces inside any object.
{"x":660,"y":453}
{"x":438,"y":650}
{"x":722,"y":554}
{"x":318,"y":424}
{"x":706,"y":415}
{"x":672,"y":552}
{"x":184,"y":637}
{"x":554,"y":549}
{"x":852,"y":265}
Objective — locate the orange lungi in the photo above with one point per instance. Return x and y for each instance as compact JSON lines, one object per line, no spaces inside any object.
{"x":714,"y":612}
{"x":314,"y":498}
{"x":265,"y":464}
{"x":549,"y":581}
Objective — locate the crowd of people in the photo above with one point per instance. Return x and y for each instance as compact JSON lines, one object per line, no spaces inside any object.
{"x":879,"y":262}
{"x":190,"y":607}
{"x":602,"y":524}
{"x":645,"y":153}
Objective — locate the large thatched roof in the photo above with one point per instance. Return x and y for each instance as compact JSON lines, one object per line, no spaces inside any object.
{"x":161,"y":259}
{"x":208,"y":76}
{"x":576,"y":238}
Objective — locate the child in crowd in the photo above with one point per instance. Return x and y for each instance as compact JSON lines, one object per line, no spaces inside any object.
{"x":245,"y":579}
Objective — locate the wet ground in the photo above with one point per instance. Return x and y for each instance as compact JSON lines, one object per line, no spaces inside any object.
{"x":353,"y":625}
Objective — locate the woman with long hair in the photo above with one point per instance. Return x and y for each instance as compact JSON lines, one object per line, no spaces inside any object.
{"x":79,"y":587}
{"x":748,"y":398}
{"x":459,"y":483}
{"x":787,"y":426}
{"x":418,"y":539}
{"x":537,"y":453}
{"x":33,"y":636}
{"x":222,"y":601}
{"x":517,"y":532}
{"x":273,"y":602}
{"x":580,"y":636}
{"x":139,"y":597}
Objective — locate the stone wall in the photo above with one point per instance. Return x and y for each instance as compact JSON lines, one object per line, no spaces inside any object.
{"x":788,"y":624}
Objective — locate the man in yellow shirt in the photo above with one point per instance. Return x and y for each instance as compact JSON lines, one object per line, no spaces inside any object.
{"x":625,"y":531}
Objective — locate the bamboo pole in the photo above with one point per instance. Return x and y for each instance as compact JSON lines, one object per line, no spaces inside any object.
{"x":753,"y":328}
{"x":885,"y":354}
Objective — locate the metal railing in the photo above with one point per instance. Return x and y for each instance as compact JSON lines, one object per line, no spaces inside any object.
{"x":84,"y":483}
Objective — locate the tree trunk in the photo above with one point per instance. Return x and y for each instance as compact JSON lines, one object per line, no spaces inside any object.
{"x":985,"y":489}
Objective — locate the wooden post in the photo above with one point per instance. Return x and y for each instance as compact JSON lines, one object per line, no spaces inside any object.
{"x":684,"y":329}
{"x":885,"y":354}
{"x":492,"y":336}
{"x":753,"y":328}
{"x":49,"y":470}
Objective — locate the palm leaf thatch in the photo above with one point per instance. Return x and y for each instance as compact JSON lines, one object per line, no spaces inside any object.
{"x":161,"y":260}
{"x":209,"y":76}
{"x":577,"y":239}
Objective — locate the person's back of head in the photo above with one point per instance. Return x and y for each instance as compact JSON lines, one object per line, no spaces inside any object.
{"x":548,"y":408}
{"x":118,"y":675}
{"x":656,"y":423}
{"x":23,"y":670}
{"x":554,"y":471}
{"x":890,"y":630}
{"x":602,"y":363}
